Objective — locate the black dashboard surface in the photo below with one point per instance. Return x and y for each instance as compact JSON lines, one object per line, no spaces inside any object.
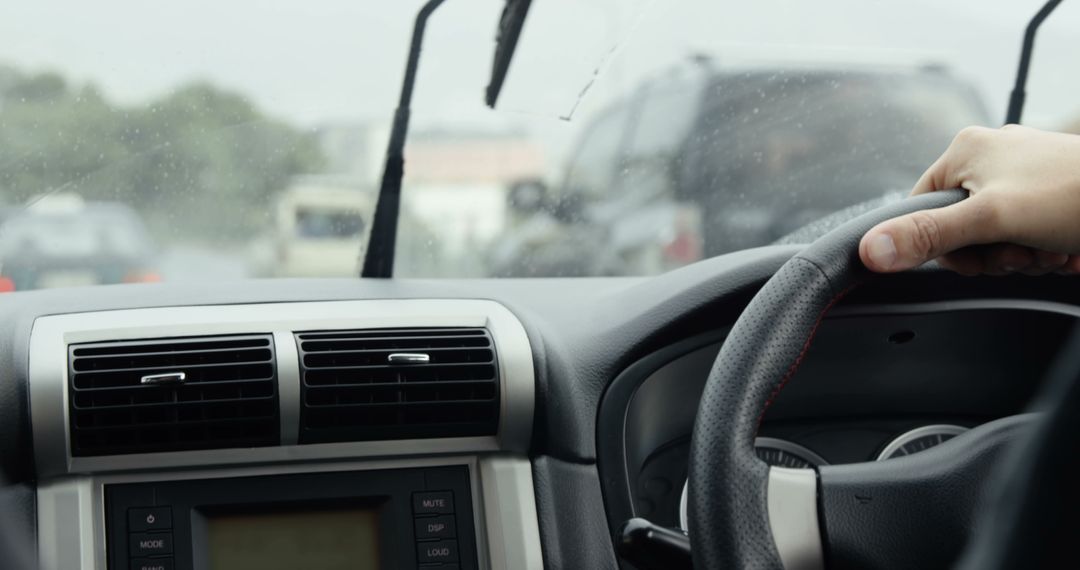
{"x":873,"y":373}
{"x":584,"y":333}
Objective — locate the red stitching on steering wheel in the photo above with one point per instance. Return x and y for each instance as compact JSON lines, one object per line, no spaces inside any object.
{"x":802,"y":353}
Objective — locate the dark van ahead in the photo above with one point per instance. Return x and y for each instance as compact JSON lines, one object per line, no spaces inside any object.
{"x":702,"y":161}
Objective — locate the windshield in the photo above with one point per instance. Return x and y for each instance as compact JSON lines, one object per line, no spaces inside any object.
{"x":208,"y":141}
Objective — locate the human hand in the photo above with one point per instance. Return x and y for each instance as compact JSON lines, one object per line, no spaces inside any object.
{"x":1023,"y":213}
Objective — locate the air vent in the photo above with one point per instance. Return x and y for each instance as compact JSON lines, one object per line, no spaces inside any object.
{"x":393,"y":384}
{"x":172,"y":394}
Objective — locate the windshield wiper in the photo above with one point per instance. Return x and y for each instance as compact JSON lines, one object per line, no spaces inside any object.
{"x":1016,"y":98}
{"x":379,"y":258}
{"x":510,"y":24}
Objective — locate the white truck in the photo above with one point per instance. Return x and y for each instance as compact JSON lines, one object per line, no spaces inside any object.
{"x":320,"y":230}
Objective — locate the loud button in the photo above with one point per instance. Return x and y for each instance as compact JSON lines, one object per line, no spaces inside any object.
{"x":435,"y":527}
{"x":441,"y":551}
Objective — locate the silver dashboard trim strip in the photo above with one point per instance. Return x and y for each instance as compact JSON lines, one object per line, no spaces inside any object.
{"x":52,"y":334}
{"x":793,"y":518}
{"x":288,"y":386}
{"x":510,"y":512}
{"x":955,"y":305}
{"x":504,"y":510}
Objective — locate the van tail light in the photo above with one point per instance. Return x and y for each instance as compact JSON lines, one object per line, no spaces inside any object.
{"x":6,"y":285}
{"x":142,"y":277}
{"x":686,"y":244}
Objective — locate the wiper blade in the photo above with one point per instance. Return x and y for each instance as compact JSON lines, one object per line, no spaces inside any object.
{"x":510,"y":24}
{"x":379,"y":258}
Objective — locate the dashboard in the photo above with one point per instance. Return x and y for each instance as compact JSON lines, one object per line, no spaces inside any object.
{"x":879,"y":382}
{"x":499,"y":424}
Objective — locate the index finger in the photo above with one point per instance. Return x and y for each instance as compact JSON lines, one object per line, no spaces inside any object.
{"x":945,"y":172}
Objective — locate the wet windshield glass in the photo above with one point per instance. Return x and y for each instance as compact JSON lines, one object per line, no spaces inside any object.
{"x":208,"y":141}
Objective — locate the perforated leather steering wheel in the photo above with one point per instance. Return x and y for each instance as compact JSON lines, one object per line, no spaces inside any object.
{"x":913,"y":511}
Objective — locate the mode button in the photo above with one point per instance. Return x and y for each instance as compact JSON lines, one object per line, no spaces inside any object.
{"x":142,"y":544}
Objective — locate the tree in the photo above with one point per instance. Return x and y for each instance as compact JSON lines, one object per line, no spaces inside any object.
{"x":199,"y":162}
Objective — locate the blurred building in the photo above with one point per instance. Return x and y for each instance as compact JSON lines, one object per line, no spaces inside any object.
{"x":474,"y":158}
{"x":454,"y":188}
{"x":457,"y":183}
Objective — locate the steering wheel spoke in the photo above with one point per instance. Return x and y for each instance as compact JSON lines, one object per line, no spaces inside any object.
{"x":792,"y":497}
{"x":915,"y":511}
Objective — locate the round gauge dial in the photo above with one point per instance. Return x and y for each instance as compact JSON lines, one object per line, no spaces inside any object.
{"x":919,"y":439}
{"x":775,"y":453}
{"x":781,"y":453}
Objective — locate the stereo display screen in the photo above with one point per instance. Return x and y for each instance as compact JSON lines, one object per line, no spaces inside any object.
{"x":313,"y":539}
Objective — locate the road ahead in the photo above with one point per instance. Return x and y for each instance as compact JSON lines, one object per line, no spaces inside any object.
{"x":194,"y":264}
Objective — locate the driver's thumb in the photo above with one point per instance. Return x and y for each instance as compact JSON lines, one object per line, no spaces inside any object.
{"x":913,"y":239}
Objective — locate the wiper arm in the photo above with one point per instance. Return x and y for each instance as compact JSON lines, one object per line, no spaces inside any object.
{"x":379,"y":259}
{"x":1016,"y":98}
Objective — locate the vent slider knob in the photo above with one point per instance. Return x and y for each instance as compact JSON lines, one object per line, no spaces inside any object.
{"x":167,"y":378}
{"x":408,"y":358}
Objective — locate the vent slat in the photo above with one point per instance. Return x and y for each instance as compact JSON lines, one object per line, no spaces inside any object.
{"x":148,"y":388}
{"x":383,"y":334}
{"x":172,"y":404}
{"x":124,"y":377}
{"x":350,"y":391}
{"x":433,"y":350}
{"x":335,"y":359}
{"x":444,"y":365}
{"x":167,"y":359}
{"x":394,"y":344}
{"x":191,"y":424}
{"x":142,"y":347}
{"x":227,"y":399}
{"x":410,"y":404}
{"x":400,"y":386}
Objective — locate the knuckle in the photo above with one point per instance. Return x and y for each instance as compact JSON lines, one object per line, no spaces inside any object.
{"x":971,"y":135}
{"x":925,"y":235}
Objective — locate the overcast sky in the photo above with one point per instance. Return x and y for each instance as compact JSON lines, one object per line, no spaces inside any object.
{"x":320,"y":61}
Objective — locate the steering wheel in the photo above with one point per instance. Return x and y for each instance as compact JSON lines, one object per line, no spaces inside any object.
{"x":909,"y":512}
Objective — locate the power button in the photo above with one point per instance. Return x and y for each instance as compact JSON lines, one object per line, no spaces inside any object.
{"x":151,"y":518}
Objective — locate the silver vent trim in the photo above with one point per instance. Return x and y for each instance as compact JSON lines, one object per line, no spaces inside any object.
{"x":49,"y":375}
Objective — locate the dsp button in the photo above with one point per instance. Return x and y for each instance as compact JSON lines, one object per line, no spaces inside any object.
{"x":151,"y":564}
{"x":155,"y":518}
{"x":435,"y":527}
{"x":441,"y":551}
{"x":433,"y":503}
{"x":142,"y":544}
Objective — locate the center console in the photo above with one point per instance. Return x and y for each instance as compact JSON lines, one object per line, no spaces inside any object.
{"x":377,"y":520}
{"x":335,"y":435}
